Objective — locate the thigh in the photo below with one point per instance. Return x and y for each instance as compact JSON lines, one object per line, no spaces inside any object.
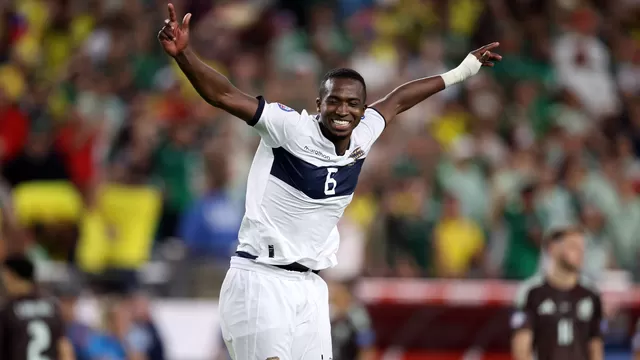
{"x":255,"y":318}
{"x":312,"y":337}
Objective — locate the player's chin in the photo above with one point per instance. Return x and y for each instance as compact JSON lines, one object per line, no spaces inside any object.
{"x":575,"y":266}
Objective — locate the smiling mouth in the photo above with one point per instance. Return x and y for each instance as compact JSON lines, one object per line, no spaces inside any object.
{"x":341,"y":123}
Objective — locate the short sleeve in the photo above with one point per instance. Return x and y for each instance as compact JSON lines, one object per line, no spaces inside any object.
{"x":523,"y":316}
{"x":373,"y":122}
{"x":276,"y":123}
{"x":597,"y":322}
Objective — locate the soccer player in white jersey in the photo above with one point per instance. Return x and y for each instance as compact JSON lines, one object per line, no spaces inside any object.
{"x":273,"y":305}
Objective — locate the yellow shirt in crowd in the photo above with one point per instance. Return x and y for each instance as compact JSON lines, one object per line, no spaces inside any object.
{"x":457,"y":242}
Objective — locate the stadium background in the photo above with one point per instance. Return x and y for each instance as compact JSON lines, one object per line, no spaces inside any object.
{"x":128,"y":189}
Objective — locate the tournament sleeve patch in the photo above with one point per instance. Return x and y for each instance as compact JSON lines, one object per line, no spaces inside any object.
{"x":518,"y":319}
{"x":285,"y":108}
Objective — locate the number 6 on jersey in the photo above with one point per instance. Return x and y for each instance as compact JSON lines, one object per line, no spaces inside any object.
{"x":330,"y":183}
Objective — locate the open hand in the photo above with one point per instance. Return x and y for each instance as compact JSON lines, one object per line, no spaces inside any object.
{"x":485,"y":56}
{"x":174,"y":37}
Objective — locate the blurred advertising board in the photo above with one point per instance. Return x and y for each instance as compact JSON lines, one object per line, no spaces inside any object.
{"x":417,"y":319}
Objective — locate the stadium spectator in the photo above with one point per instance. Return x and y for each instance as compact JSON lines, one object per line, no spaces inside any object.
{"x":14,"y":127}
{"x":143,"y":320}
{"x":351,"y":330}
{"x":120,"y":339}
{"x":459,"y":242}
{"x":524,"y":235}
{"x":78,"y":333}
{"x":210,"y":226}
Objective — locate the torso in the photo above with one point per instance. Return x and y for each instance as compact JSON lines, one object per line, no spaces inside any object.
{"x":297,"y":191}
{"x":31,"y":328}
{"x":563,"y":321}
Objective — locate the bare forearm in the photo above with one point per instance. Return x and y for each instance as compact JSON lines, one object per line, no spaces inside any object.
{"x":210,"y":84}
{"x":522,"y":356}
{"x":521,"y":345}
{"x":367,"y":354}
{"x":414,"y":92}
{"x":65,"y":350}
{"x":596,"y":350}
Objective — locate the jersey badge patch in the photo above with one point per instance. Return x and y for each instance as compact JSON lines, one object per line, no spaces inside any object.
{"x":585,"y":309}
{"x":356,"y":154}
{"x":285,"y":108}
{"x":518,"y":319}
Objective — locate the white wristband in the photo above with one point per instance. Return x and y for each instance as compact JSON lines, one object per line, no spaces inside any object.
{"x":467,"y":68}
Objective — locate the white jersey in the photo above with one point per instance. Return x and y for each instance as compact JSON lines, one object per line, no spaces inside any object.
{"x":298,"y":188}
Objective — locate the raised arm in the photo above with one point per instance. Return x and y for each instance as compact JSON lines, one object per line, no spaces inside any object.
{"x":412,"y":93}
{"x":212,"y":86}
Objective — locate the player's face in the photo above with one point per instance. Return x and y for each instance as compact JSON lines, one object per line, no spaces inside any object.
{"x":572,"y":251}
{"x":342,"y":107}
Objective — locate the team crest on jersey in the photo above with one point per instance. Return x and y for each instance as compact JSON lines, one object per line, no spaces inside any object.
{"x":585,"y":309}
{"x":287,"y":109}
{"x":356,"y":154}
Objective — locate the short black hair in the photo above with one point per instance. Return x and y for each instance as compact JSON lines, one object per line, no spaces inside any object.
{"x":559,"y":233}
{"x":341,"y":73}
{"x":21,"y":266}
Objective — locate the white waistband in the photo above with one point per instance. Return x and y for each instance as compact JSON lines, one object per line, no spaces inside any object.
{"x":252,"y":265}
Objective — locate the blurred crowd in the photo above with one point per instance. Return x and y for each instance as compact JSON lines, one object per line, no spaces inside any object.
{"x":125,"y":329}
{"x":109,"y":159}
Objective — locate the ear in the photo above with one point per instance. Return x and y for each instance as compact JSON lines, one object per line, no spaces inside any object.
{"x":318,"y":102}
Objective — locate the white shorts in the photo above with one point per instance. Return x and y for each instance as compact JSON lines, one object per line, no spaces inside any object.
{"x":267,"y":313}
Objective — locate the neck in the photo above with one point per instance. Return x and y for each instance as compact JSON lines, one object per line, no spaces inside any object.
{"x":341,"y":143}
{"x":561,"y":278}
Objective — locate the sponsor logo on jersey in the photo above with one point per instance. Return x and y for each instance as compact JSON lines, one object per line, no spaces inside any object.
{"x":316,"y":152}
{"x":287,"y":109}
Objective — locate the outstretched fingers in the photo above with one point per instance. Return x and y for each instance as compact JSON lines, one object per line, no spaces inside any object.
{"x":167,"y":30}
{"x":172,"y":13}
{"x":488,"y":47}
{"x":486,"y":57}
{"x":185,"y":21}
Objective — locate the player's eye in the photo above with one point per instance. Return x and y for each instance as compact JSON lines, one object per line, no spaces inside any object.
{"x":354,"y":104}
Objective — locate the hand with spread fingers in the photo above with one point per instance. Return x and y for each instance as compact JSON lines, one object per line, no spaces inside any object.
{"x":485,"y":56}
{"x":174,"y":37}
